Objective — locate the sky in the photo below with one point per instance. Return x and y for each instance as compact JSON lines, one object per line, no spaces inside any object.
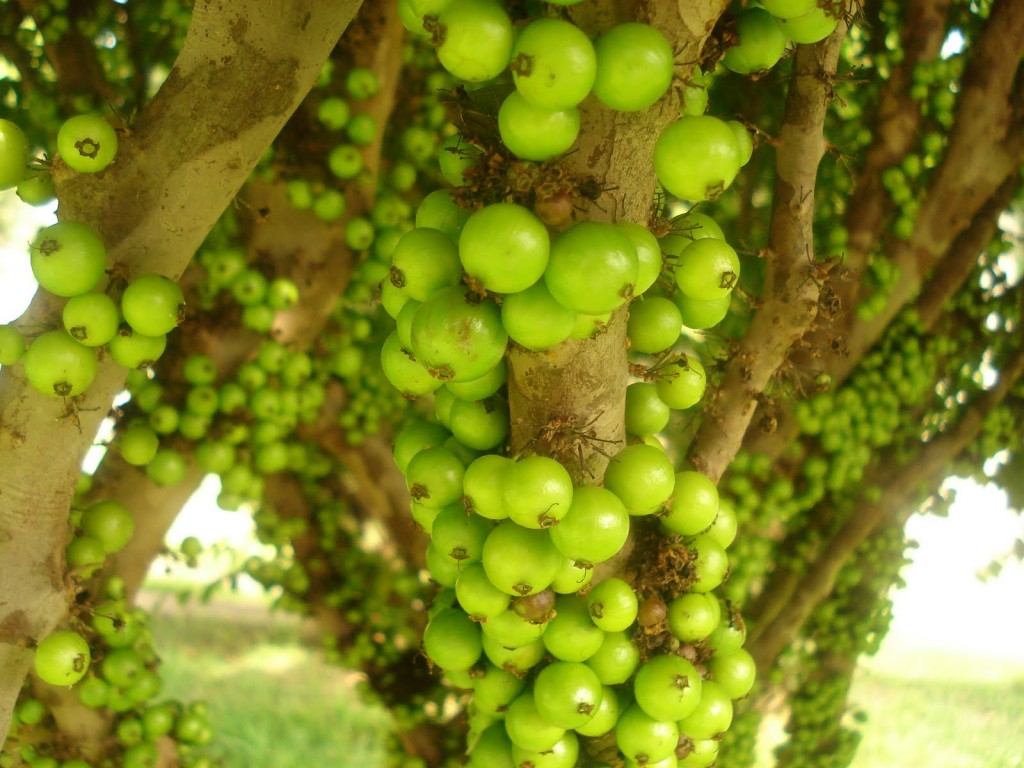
{"x":944,"y":607}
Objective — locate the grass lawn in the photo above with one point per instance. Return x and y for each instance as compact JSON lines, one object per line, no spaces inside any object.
{"x":942,"y":712}
{"x":275,"y":704}
{"x":931,"y":710}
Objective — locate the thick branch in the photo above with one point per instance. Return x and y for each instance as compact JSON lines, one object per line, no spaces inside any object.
{"x":902,"y":484}
{"x":985,"y":148}
{"x":584,"y":383}
{"x":959,"y":263}
{"x":244,"y":68}
{"x":791,"y":294}
{"x":897,"y":122}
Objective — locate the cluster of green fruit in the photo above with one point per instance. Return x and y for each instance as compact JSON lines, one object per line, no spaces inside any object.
{"x":846,"y":429}
{"x":850,"y":623}
{"x":514,"y":544}
{"x":547,"y":655}
{"x":70,"y":261}
{"x":116,"y":671}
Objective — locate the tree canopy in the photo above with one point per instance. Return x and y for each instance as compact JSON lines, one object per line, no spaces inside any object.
{"x":582,"y":361}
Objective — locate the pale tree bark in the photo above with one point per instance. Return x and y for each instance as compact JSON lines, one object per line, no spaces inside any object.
{"x":244,"y":68}
{"x":580,"y":386}
{"x":790,"y":301}
{"x":984,"y":151}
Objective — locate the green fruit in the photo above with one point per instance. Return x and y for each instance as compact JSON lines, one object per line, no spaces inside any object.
{"x":87,"y":143}
{"x":14,"y":154}
{"x":553,"y":64}
{"x":667,"y":687}
{"x":616,"y":659}
{"x":153,"y":305}
{"x":642,"y":477}
{"x":693,"y":616}
{"x":474,"y":39}
{"x":110,"y":522}
{"x":57,"y":365}
{"x":135,"y":350}
{"x":459,"y":535}
{"x":644,"y":739}
{"x":735,"y":672}
{"x":681,"y":383}
{"x":571,"y":635}
{"x":62,"y":658}
{"x":712,"y":716}
{"x":694,"y":504}
{"x":707,"y":270}
{"x":594,"y":528}
{"x":528,"y":728}
{"x":696,"y":158}
{"x":654,"y":325}
{"x":613,"y":605}
{"x":537,"y":492}
{"x":536,"y":133}
{"x":520,"y":561}
{"x":12,"y":345}
{"x":424,"y":261}
{"x":634,"y":66}
{"x":761,"y":44}
{"x":477,"y":596}
{"x":91,"y":319}
{"x":457,"y":336}
{"x":505,"y":247}
{"x":593,"y":268}
{"x":452,"y":641}
{"x":812,"y":27}
{"x":646,"y":414}
{"x":483,"y":485}
{"x":68,"y":258}
{"x":562,"y":754}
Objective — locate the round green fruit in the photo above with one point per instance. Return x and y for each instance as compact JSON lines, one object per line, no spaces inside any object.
{"x":520,"y":561}
{"x":553,"y":64}
{"x":87,"y":143}
{"x":14,"y":154}
{"x":504,"y":247}
{"x":68,"y":258}
{"x":761,"y":44}
{"x":593,"y":268}
{"x":57,"y":365}
{"x":91,"y":319}
{"x":153,"y":305}
{"x":474,"y":39}
{"x":536,"y":133}
{"x":634,"y":66}
{"x":696,"y":158}
{"x":457,"y":336}
{"x":62,"y":658}
{"x":452,"y":641}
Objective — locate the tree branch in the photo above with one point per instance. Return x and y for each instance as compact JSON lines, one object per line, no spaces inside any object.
{"x":985,"y":148}
{"x":584,"y":382}
{"x":901,"y":484}
{"x":791,"y":293}
{"x":897,"y":122}
{"x":242,"y":71}
{"x":959,"y":263}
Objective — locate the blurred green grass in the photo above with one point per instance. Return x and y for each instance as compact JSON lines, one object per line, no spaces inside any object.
{"x":944,"y":719}
{"x":931,"y":710}
{"x":274,"y":703}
